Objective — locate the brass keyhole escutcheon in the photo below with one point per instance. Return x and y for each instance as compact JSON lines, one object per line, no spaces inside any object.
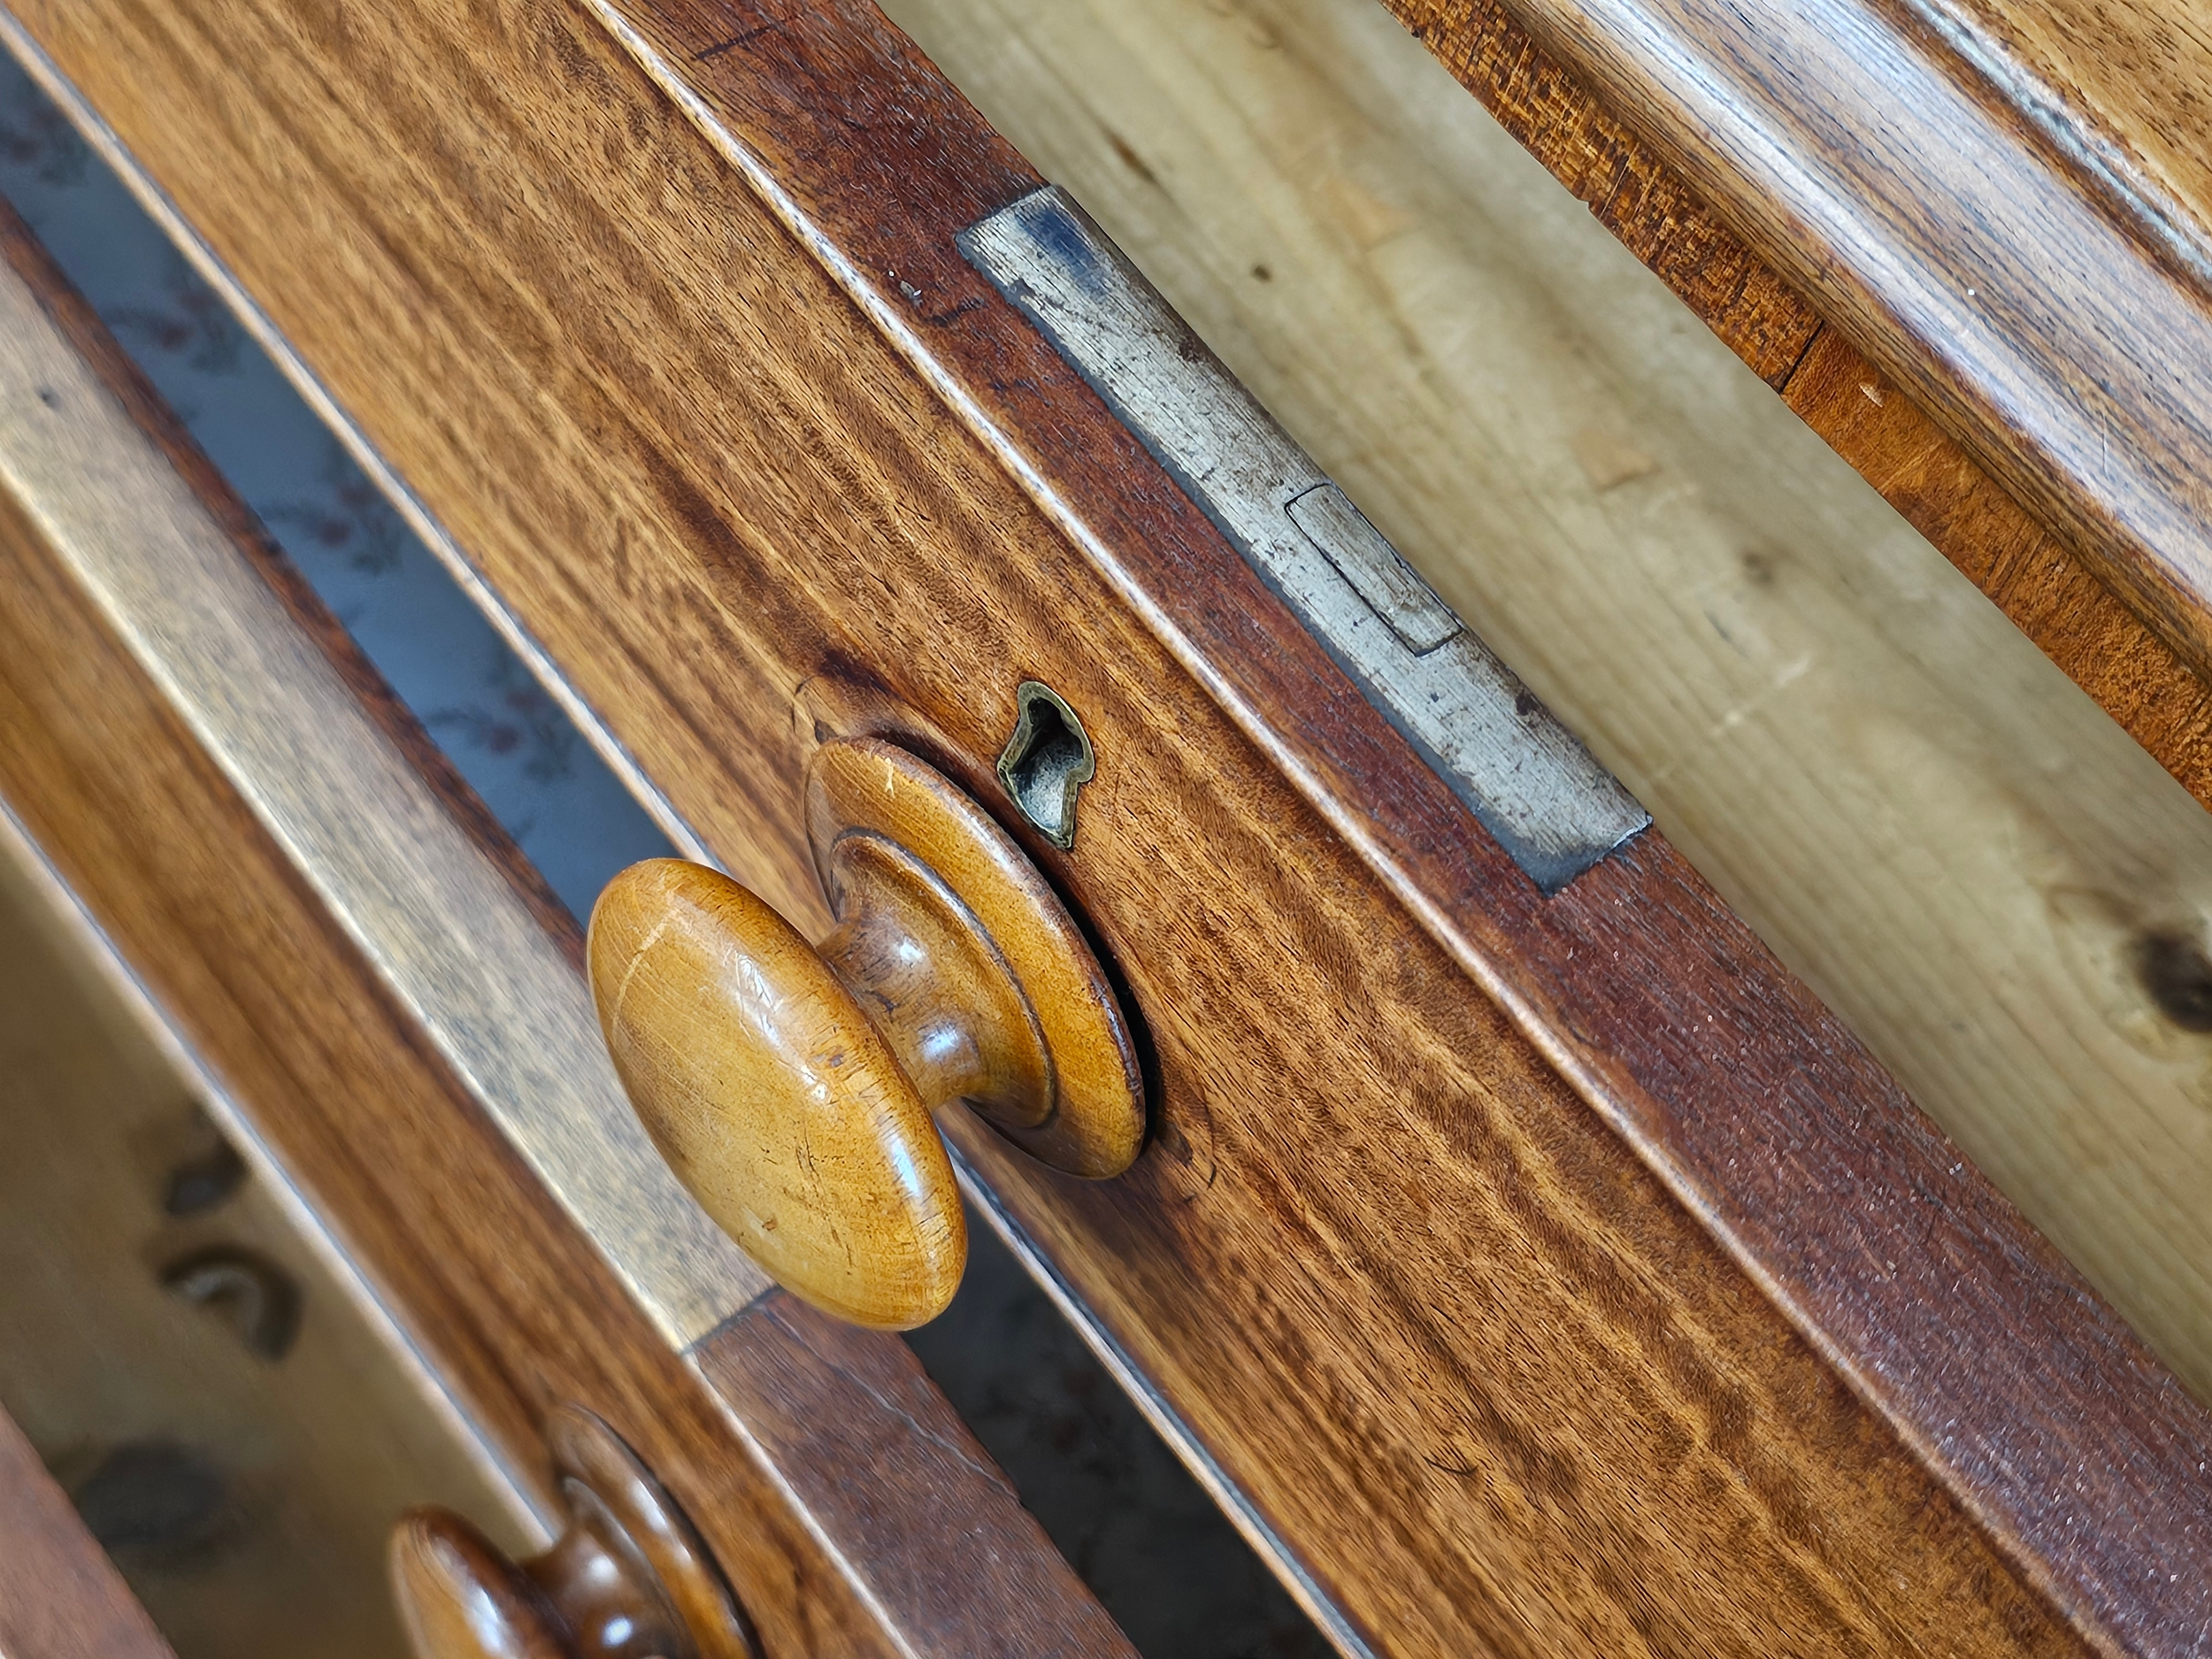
{"x":793,"y":1087}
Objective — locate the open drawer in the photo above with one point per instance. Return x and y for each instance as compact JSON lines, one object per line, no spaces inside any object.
{"x":346,"y":960}
{"x":1526,"y":1258}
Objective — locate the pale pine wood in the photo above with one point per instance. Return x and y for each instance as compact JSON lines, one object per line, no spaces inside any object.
{"x":1956,"y":848}
{"x":1632,"y":190}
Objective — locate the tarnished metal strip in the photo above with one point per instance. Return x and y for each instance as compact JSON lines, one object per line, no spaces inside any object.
{"x":427,"y":907}
{"x":1524,"y":775}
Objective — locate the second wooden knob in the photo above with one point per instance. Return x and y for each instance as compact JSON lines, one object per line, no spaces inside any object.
{"x":793,"y":1088}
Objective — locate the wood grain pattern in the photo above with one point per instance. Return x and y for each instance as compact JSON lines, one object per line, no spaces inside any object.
{"x":2124,"y":90}
{"x":1958,"y":852}
{"x":1479,"y":1369}
{"x":1627,"y":188}
{"x":60,"y":1598}
{"x":2048,"y":594}
{"x":517,"y":1312}
{"x":790,"y":1113}
{"x":1955,"y":237}
{"x":2037,"y":579}
{"x":793,"y":1086}
{"x":872,"y":1455}
{"x":471,"y":968}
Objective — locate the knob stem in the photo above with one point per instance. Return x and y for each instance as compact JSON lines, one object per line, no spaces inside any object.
{"x":795,"y":1089}
{"x":931,"y":982}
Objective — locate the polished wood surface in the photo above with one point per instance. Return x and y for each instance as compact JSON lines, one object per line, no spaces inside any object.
{"x":2130,"y":84}
{"x":1545,"y":1323}
{"x":515,"y":1310}
{"x":60,"y":1597}
{"x":628,"y":1577}
{"x":793,"y":1118}
{"x":1984,"y":215}
{"x":793,"y":1087}
{"x":1067,"y":1090}
{"x":2036,"y":578}
{"x":1961,"y":855}
{"x":460,"y":1598}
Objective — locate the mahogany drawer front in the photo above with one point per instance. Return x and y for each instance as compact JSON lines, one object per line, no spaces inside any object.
{"x":1485,"y":1287}
{"x":848,"y":1506}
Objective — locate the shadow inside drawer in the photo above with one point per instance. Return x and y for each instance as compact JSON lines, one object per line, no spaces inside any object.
{"x":236,"y":1424}
{"x":256,"y":1420}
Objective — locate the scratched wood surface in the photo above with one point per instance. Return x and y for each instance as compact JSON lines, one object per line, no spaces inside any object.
{"x":2130,"y":83}
{"x":1958,"y":852}
{"x":1445,"y":1327}
{"x":514,"y":1310}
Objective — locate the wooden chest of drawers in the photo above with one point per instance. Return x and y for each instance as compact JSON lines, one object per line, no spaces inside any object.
{"x":1523,"y":1256}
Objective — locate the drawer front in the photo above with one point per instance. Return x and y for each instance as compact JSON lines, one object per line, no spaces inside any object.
{"x":59,"y":1596}
{"x":156,"y":656}
{"x":1481,"y":1282}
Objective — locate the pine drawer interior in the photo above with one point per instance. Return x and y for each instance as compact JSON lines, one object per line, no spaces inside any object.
{"x":1961,"y":853}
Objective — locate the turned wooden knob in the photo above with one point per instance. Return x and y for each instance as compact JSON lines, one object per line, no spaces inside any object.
{"x":792,"y":1087}
{"x":628,"y":1580}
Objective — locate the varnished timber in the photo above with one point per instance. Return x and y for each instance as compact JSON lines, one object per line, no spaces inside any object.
{"x":792,"y":1086}
{"x":2121,"y":89}
{"x":1252,"y":1264}
{"x":1485,"y":1363}
{"x":1987,"y":202}
{"x":2038,"y":580}
{"x":514,"y":1306}
{"x":60,"y":1597}
{"x":2049,"y":594}
{"x":793,"y":1116}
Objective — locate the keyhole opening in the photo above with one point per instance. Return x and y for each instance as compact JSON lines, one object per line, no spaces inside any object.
{"x":1047,"y":762}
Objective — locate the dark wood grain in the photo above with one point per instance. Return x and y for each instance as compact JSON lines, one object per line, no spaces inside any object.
{"x":1633,"y":193}
{"x":517,"y":1312}
{"x":2126,"y":88}
{"x":2035,"y":577}
{"x":1537,"y":1275}
{"x":60,"y":1597}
